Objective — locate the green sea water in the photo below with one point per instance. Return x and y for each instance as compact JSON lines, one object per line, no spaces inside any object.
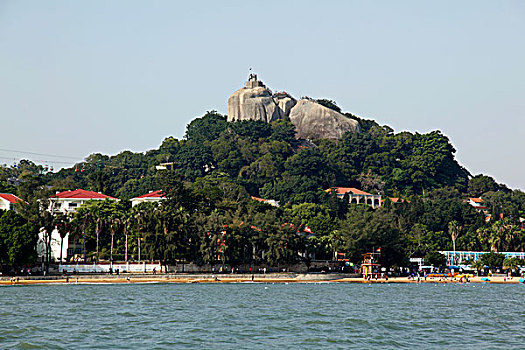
{"x":262,"y":316}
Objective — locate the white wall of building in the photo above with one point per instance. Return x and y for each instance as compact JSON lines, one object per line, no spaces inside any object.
{"x":55,"y":245}
{"x":4,"y":205}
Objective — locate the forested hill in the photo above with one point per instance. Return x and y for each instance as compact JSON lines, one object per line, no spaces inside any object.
{"x":269,"y":162}
{"x":222,"y":163}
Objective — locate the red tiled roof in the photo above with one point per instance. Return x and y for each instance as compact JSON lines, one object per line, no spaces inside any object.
{"x":11,"y":198}
{"x":476,"y":200}
{"x":154,"y":194}
{"x":82,"y":194}
{"x":343,"y":190}
{"x":259,"y":199}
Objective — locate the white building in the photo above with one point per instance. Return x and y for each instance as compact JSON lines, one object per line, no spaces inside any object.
{"x":152,"y":196}
{"x":55,"y":245}
{"x":66,"y":202}
{"x":357,"y":196}
{"x":7,"y":201}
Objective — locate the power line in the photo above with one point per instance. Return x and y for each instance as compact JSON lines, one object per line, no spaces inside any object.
{"x":39,"y":160}
{"x":38,"y":154}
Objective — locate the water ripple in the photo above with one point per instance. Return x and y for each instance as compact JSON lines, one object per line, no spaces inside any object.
{"x":261,"y":316}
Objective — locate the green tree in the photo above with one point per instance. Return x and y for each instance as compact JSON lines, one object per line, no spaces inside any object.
{"x":284,"y":245}
{"x":18,"y":239}
{"x":95,"y":217}
{"x":283,"y":130}
{"x":492,"y":260}
{"x":435,"y":259}
{"x":329,"y":104}
{"x":365,"y":230}
{"x":206,"y":128}
{"x":513,"y":263}
{"x":211,"y":229}
{"x":481,"y":184}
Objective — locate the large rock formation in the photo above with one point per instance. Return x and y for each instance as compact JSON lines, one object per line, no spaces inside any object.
{"x":315,"y":121}
{"x":285,"y":102}
{"x":253,"y":102}
{"x":256,"y":102}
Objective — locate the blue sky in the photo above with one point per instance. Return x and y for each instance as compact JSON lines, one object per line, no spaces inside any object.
{"x":105,"y":76}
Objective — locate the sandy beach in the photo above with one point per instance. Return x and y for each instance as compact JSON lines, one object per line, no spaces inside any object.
{"x":270,"y":278}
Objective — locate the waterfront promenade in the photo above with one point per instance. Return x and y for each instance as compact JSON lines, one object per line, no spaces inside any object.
{"x":235,"y":278}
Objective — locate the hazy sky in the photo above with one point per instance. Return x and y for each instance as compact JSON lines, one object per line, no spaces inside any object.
{"x":105,"y":76}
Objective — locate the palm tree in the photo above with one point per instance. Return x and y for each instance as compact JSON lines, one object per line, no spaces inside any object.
{"x":511,"y":263}
{"x":478,"y":265}
{"x":454,"y":230}
{"x":484,"y":234}
{"x":494,"y":238}
{"x":141,"y":218}
{"x":62,"y":225}
{"x":115,"y":223}
{"x":510,"y":234}
{"x":127,"y":222}
{"x":497,"y":235}
{"x":95,"y":215}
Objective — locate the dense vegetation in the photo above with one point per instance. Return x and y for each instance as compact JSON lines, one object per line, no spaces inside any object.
{"x":209,"y":217}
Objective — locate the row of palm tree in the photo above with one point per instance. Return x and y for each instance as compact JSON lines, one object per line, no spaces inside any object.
{"x":502,"y":235}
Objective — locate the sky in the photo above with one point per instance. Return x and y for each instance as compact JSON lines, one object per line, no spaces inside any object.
{"x":80,"y":77}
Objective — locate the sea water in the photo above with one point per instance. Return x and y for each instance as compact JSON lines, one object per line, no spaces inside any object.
{"x":262,"y":316}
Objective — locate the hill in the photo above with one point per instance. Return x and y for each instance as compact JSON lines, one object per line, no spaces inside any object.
{"x":220,"y":164}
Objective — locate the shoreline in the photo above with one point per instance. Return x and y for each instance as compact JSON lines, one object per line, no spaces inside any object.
{"x":226,"y":278}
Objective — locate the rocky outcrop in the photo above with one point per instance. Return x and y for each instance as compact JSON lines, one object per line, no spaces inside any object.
{"x":253,"y":102}
{"x":313,"y":121}
{"x":285,"y":102}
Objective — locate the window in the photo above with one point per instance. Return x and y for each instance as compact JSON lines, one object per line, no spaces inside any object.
{"x":73,"y":205}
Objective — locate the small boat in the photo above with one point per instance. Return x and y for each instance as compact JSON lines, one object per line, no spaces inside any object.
{"x":485,"y":279}
{"x":522,"y":280}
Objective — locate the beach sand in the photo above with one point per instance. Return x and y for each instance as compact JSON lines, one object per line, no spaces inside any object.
{"x":271,"y":278}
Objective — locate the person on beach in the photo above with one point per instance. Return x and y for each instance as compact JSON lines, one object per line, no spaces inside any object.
{"x":154,"y":270}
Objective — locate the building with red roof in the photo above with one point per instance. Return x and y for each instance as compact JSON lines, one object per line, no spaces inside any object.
{"x":398,"y":200}
{"x":66,"y":202}
{"x":69,"y":201}
{"x":478,"y":204}
{"x":7,"y":201}
{"x":272,"y":202}
{"x":152,"y":196}
{"x":356,"y":196}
